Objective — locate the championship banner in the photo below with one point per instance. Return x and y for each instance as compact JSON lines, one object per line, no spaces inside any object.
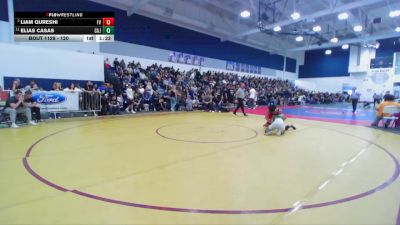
{"x":230,"y":65}
{"x":378,"y":80}
{"x":380,"y":75}
{"x":179,"y":57}
{"x":52,"y":101}
{"x":241,"y":67}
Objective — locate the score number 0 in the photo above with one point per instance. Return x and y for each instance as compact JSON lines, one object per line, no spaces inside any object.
{"x":108,"y":22}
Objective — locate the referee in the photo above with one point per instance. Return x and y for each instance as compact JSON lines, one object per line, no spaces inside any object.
{"x":240,"y":98}
{"x":355,"y":97}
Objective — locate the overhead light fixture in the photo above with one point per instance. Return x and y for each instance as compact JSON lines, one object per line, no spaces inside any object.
{"x":397,"y":29}
{"x":394,"y":13}
{"x":328,"y":52}
{"x":299,"y":38}
{"x":277,"y":28}
{"x":358,"y":28}
{"x":343,"y":16}
{"x":334,"y":40}
{"x":377,"y":44}
{"x":317,"y":28}
{"x":245,"y":14}
{"x":345,"y":46}
{"x":295,"y":15}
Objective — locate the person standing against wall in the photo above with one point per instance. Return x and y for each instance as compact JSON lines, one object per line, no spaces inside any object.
{"x":355,"y":97}
{"x":240,"y":98}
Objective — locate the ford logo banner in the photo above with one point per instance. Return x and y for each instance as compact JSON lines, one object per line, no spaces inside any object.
{"x":48,"y":98}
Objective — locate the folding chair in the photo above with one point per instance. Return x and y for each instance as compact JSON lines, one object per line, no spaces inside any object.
{"x":390,"y":110}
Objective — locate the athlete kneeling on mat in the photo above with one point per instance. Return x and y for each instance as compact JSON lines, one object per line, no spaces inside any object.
{"x":278,"y":125}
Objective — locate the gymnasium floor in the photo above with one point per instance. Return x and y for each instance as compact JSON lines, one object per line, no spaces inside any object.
{"x":198,"y":168}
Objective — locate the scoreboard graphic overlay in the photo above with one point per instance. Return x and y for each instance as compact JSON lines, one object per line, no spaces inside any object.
{"x":64,"y":26}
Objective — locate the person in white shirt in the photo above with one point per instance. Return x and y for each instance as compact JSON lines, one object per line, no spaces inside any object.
{"x":192,"y":75}
{"x":302,"y":99}
{"x":72,"y":88}
{"x":129,"y":96}
{"x":141,"y":89}
{"x":142,"y":76}
{"x":252,"y":97}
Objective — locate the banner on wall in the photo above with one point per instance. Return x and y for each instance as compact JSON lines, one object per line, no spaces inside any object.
{"x":51,"y":101}
{"x":179,"y":57}
{"x":241,"y":67}
{"x":230,"y":65}
{"x":381,"y":75}
{"x":378,"y":80}
{"x":237,"y":66}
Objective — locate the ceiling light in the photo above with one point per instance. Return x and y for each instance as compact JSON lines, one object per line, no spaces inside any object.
{"x":245,"y":14}
{"x":295,"y":15}
{"x":328,"y":52}
{"x":357,"y":28}
{"x":277,"y":28}
{"x":317,"y":28}
{"x":397,"y":29}
{"x":343,"y":16}
{"x":377,"y":44}
{"x":334,"y":40}
{"x":299,"y":38}
{"x":394,"y":13}
{"x":345,"y":46}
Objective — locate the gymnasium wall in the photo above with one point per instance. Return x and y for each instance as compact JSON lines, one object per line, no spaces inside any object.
{"x":367,"y":84}
{"x":4,"y":32}
{"x":318,"y":64}
{"x":4,"y":29}
{"x":32,"y":62}
{"x":144,"y":31}
{"x":368,"y":81}
{"x":388,"y":47}
{"x":156,"y":55}
{"x":210,"y":65}
{"x":3,"y":10}
{"x":87,"y":47}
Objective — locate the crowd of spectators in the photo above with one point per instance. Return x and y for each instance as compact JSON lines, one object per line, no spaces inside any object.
{"x":132,"y":88}
{"x":157,"y":88}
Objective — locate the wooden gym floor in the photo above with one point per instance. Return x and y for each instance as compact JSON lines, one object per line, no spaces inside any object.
{"x":197,"y":168}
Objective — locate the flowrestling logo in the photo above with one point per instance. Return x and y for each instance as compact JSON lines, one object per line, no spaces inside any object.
{"x":49,"y":98}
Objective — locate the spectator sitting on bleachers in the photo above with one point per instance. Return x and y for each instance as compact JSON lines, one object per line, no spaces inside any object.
{"x":113,"y":104}
{"x":207,"y":102}
{"x":72,"y":88}
{"x":89,"y":86}
{"x":30,"y":103}
{"x":57,"y":86}
{"x":116,"y":63}
{"x":16,"y":85}
{"x":189,"y":104}
{"x":32,"y":86}
{"x":16,"y":105}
